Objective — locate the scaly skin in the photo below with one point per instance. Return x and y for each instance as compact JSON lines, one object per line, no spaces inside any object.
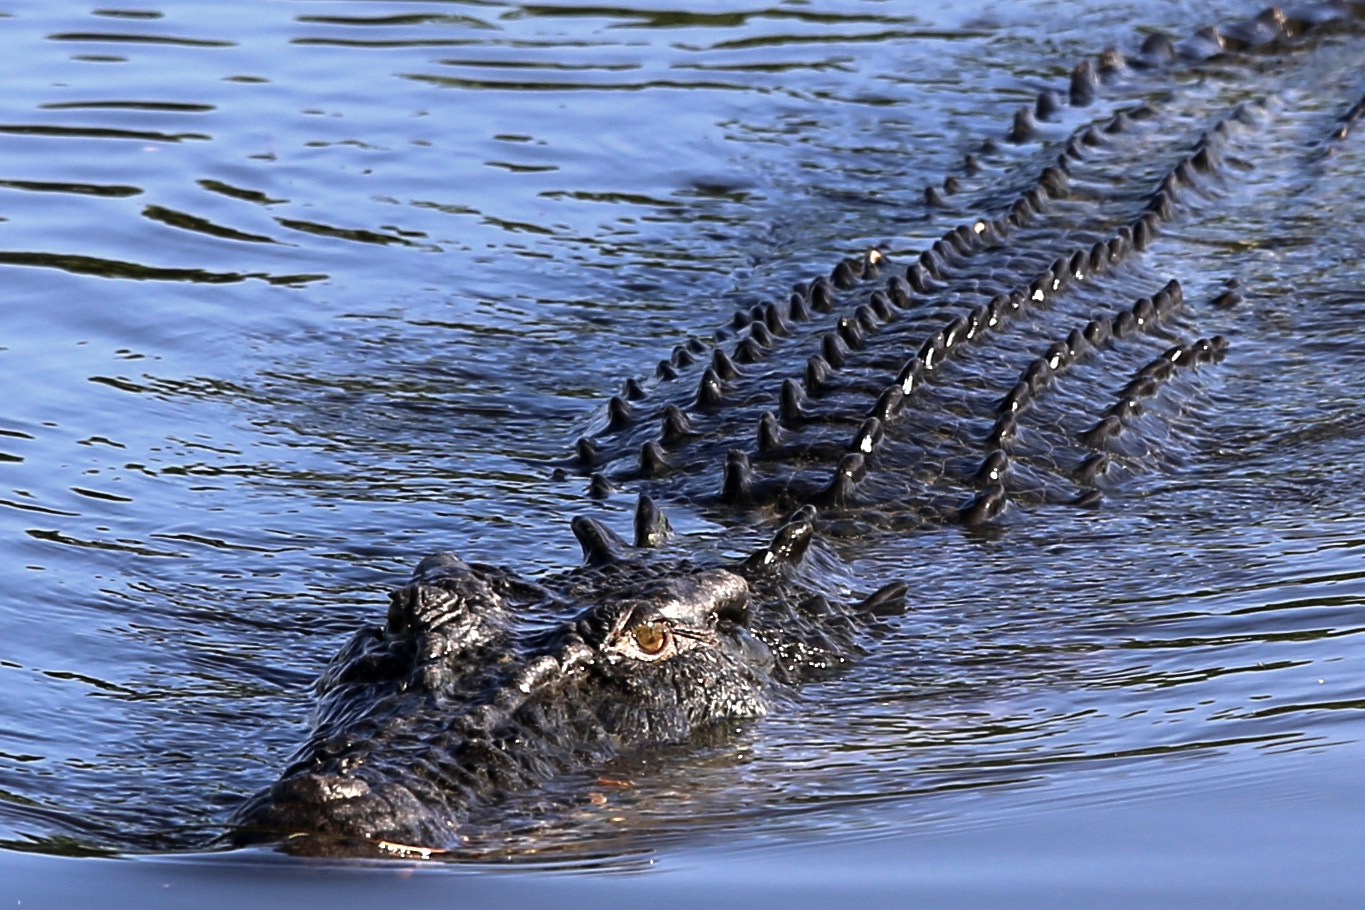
{"x":482,"y":684}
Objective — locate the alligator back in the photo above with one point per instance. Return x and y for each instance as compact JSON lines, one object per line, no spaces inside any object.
{"x":1043,"y":332}
{"x":1049,"y":344}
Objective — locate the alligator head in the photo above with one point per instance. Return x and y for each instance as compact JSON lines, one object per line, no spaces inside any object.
{"x":476,"y":687}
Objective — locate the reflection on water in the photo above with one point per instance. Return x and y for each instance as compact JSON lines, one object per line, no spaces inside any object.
{"x":298,"y":292}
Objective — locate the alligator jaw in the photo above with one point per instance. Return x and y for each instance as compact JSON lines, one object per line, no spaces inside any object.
{"x":458,"y":701}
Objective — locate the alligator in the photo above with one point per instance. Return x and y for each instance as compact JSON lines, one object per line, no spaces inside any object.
{"x":1031,"y":355}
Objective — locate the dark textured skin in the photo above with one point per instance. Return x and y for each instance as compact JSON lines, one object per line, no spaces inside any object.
{"x":449,"y":705}
{"x":921,"y":402}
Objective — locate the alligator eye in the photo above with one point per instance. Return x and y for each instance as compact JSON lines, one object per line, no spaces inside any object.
{"x":651,"y":637}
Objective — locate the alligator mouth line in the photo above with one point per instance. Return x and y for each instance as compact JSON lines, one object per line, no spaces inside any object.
{"x":990,"y":369}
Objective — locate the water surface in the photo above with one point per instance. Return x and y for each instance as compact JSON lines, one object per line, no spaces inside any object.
{"x":297,"y":292}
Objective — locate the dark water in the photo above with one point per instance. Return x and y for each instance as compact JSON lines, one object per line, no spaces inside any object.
{"x":295,"y":292}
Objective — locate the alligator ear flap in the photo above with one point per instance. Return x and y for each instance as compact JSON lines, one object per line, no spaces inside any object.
{"x":888,"y":600}
{"x":600,"y":544}
{"x":651,"y":525}
{"x":789,"y":544}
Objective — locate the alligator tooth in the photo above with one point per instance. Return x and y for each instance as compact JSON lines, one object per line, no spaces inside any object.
{"x":945,"y":253}
{"x":1076,"y":266}
{"x":1057,"y":356}
{"x":1162,"y":205}
{"x":1058,"y":275}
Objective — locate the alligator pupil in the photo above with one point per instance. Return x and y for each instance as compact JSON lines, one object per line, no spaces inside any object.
{"x":650,"y":636}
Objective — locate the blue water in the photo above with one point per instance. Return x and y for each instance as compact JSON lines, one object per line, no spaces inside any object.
{"x":296,"y":292}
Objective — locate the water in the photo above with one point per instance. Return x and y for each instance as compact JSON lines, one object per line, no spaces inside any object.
{"x":297,"y":292}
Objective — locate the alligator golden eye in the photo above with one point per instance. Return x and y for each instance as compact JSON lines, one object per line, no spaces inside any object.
{"x":650,"y":636}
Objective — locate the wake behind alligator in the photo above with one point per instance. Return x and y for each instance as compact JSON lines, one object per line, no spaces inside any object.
{"x":1036,"y":353}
